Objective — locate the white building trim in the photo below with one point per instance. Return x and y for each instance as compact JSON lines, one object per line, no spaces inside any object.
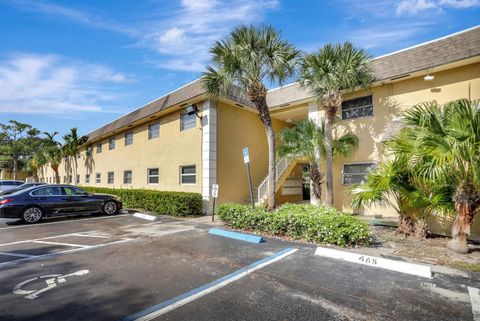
{"x":209,"y":151}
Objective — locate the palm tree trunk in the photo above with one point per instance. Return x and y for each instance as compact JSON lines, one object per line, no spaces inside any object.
{"x":57,"y":176}
{"x":15,"y":168}
{"x":317,"y":179}
{"x":257,"y":94}
{"x":467,"y":203}
{"x":75,"y":171}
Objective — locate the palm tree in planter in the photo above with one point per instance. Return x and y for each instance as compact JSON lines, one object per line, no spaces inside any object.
{"x":327,"y":73}
{"x":442,"y":147}
{"x":71,"y":146}
{"x":249,"y":58}
{"x":53,"y":153}
{"x":307,"y":140}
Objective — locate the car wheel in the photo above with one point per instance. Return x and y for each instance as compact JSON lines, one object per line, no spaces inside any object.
{"x":110,"y":208}
{"x":32,"y":214}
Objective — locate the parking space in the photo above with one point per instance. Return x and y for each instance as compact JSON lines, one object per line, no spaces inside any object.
{"x":124,"y":268}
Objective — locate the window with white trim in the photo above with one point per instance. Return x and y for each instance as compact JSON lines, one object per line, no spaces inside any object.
{"x":110,"y":177}
{"x":128,"y":138}
{"x":188,"y":174}
{"x":127,"y":177}
{"x":87,"y":178}
{"x":358,"y":107}
{"x":98,"y":178}
{"x":355,"y":173}
{"x":152,"y":176}
{"x":99,"y":148}
{"x":188,"y":120}
{"x":89,"y":151}
{"x":153,"y":130}
{"x":111,"y":143}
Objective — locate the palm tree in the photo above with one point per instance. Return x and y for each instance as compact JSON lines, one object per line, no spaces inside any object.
{"x":71,"y":147}
{"x":326,"y":73}
{"x":442,"y":146}
{"x":53,"y":153}
{"x":249,"y":58}
{"x":307,"y":140}
{"x":392,"y":183}
{"x":36,"y":162}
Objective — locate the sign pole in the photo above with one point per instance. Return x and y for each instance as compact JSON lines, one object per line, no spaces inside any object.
{"x":246,"y":160}
{"x":214,"y":195}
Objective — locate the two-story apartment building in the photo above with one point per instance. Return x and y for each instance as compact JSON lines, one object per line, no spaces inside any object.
{"x":184,"y":142}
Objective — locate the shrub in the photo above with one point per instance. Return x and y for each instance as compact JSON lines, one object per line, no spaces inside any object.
{"x":159,"y":202}
{"x":318,"y":224}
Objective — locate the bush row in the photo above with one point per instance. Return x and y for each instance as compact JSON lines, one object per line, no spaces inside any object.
{"x":318,"y":224}
{"x":159,"y":202}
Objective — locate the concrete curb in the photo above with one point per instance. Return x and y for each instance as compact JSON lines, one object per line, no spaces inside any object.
{"x":377,"y":262}
{"x":146,"y":216}
{"x":237,"y":236}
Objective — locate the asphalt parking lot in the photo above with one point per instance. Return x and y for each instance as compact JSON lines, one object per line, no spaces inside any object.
{"x":125,"y":268}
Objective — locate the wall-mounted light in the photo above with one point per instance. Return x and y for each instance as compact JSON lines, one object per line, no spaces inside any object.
{"x":429,"y":77}
{"x":193,"y":109}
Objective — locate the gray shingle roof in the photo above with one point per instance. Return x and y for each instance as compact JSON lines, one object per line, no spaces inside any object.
{"x":422,"y":57}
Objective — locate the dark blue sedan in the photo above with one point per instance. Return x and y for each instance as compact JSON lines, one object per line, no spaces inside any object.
{"x":33,"y":204}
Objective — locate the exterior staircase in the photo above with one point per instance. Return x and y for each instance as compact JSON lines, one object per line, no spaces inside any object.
{"x":283,"y":169}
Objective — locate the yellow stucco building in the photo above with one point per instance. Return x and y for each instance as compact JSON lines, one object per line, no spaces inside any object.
{"x":184,"y":142}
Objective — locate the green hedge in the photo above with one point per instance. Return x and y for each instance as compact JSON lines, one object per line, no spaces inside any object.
{"x":162,"y":203}
{"x":316,"y":224}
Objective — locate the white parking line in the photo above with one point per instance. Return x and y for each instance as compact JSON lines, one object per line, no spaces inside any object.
{"x":475,"y":300}
{"x":43,"y":238}
{"x":16,"y":254}
{"x":62,"y":244}
{"x":94,"y":236}
{"x":63,"y":252}
{"x":60,"y":222}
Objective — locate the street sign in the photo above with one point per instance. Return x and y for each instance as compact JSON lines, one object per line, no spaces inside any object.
{"x":215,"y":190}
{"x":246,"y":158}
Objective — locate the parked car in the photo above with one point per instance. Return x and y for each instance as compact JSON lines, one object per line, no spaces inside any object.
{"x":9,"y":184}
{"x":19,"y":188}
{"x":33,"y":204}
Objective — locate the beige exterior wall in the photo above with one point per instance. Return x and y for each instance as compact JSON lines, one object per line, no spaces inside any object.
{"x":6,"y":174}
{"x":172,"y":149}
{"x":239,"y":128}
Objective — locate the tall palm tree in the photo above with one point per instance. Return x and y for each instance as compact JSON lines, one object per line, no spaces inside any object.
{"x":441,"y":145}
{"x":307,"y":140}
{"x":53,"y":153}
{"x":71,"y":148}
{"x":326,"y":73}
{"x":35,"y":163}
{"x":250,"y":57}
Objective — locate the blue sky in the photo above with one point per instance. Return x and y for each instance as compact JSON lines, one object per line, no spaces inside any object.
{"x":67,"y":64}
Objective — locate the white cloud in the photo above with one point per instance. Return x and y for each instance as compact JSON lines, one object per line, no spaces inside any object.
{"x":185,"y":36}
{"x":413,"y":7}
{"x":48,"y":84}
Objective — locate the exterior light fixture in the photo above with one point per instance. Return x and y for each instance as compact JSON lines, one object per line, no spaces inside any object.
{"x":429,"y":77}
{"x":193,"y":109}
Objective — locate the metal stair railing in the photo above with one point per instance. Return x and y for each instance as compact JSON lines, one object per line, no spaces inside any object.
{"x":280,"y":168}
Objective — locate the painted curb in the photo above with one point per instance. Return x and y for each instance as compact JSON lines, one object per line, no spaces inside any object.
{"x":475,"y":301}
{"x":237,"y":236}
{"x":377,"y":262}
{"x":146,"y":216}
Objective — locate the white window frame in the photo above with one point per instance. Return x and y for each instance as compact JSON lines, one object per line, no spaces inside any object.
{"x":151,"y":176}
{"x":150,"y":130}
{"x":98,"y":178}
{"x":87,"y":178}
{"x":182,"y":124}
{"x":113,"y":178}
{"x":374,"y":164}
{"x":131,"y":176}
{"x":89,"y":151}
{"x":359,"y":107}
{"x":130,"y":132}
{"x":182,"y":175}
{"x":99,"y":148}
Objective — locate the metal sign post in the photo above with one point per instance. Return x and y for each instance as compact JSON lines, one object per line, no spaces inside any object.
{"x":215,"y":196}
{"x":246,"y":160}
